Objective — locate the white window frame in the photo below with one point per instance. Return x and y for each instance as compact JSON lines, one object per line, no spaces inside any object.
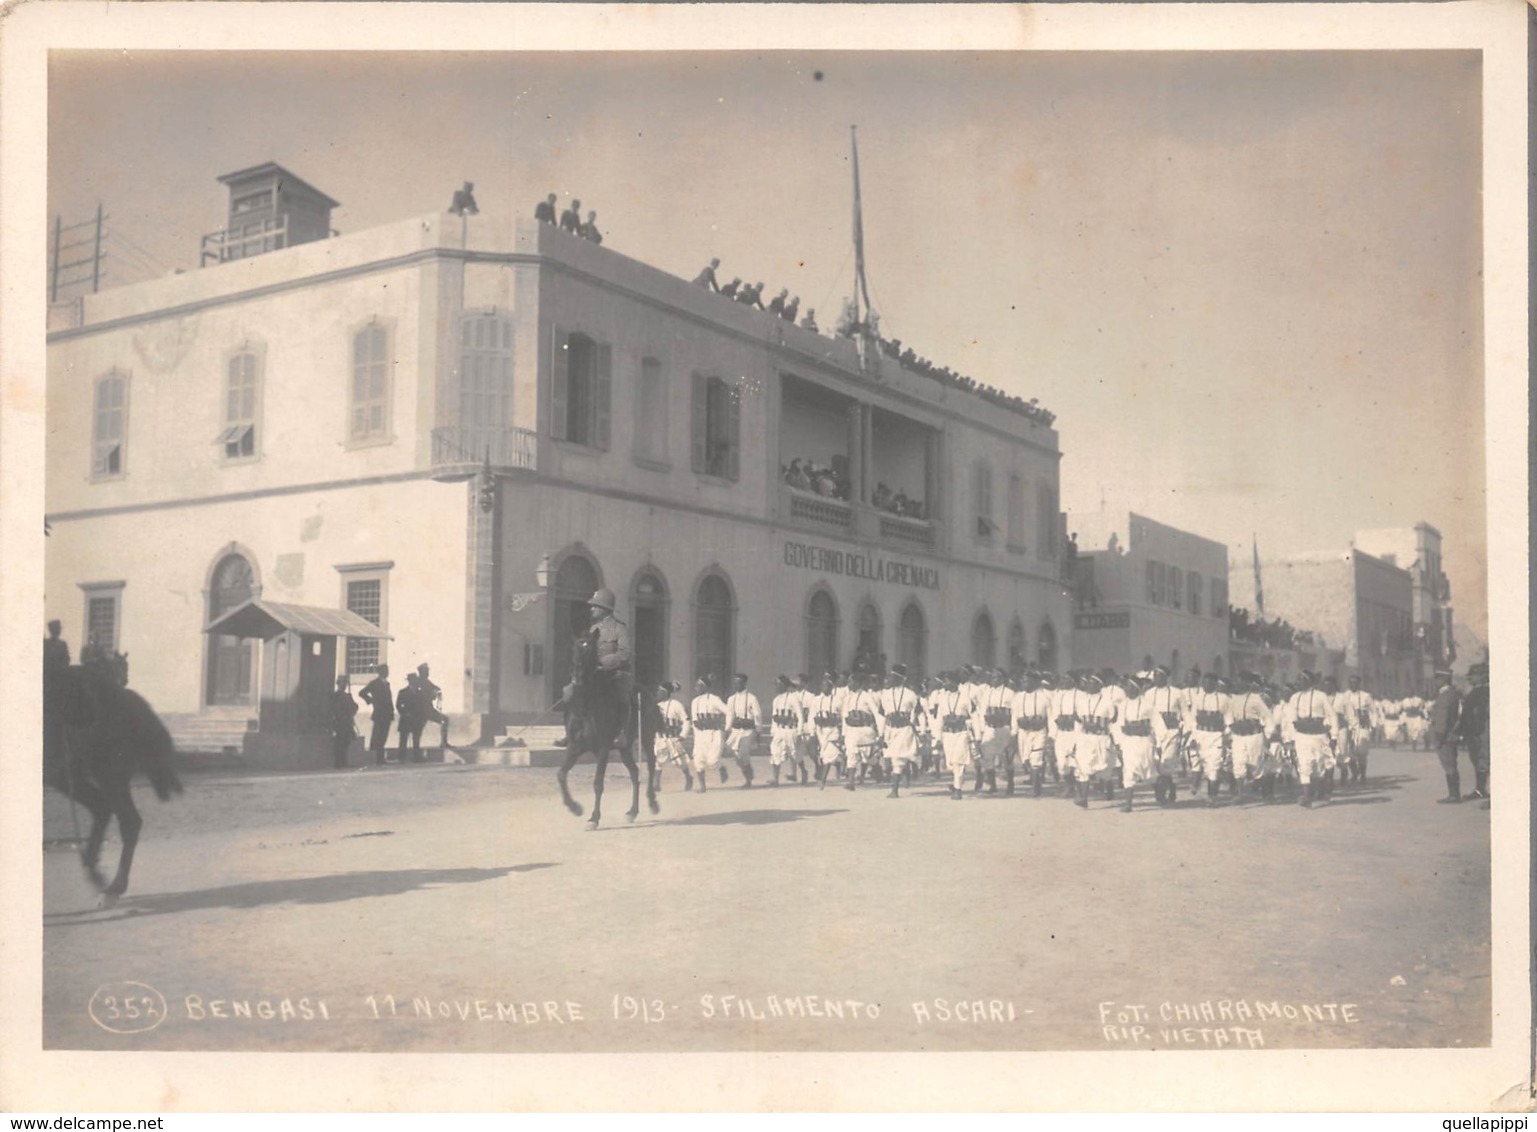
{"x":98,"y":445}
{"x":236,"y":429}
{"x":366,"y":572}
{"x":102,"y":591}
{"x":370,"y":437}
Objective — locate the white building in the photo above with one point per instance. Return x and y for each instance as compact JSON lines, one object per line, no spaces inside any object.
{"x":313,"y":424}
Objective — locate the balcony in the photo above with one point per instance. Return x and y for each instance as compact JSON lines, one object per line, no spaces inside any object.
{"x":818,"y":512}
{"x":459,"y":451}
{"x":915,"y":532}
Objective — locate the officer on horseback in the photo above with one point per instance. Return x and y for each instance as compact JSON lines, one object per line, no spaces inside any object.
{"x":611,"y":645}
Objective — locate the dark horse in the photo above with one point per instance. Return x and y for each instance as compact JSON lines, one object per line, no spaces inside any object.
{"x":600,"y":722}
{"x":96,"y":735}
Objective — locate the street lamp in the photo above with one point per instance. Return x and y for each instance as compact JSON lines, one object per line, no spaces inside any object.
{"x":517,"y":603}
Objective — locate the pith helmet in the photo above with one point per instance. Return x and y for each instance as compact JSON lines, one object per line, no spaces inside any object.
{"x":603,"y":599}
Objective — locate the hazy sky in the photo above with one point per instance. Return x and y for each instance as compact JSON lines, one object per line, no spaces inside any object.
{"x":1247,"y":284}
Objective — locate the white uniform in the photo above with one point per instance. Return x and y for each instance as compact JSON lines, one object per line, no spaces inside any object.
{"x":825,"y":711}
{"x":1207,"y":720}
{"x":743,"y":718}
{"x":1361,"y":716}
{"x":788,"y":725}
{"x":1416,"y":722}
{"x":861,"y":722}
{"x":673,"y":736}
{"x":994,"y":712}
{"x":1096,"y":713}
{"x":898,"y":722}
{"x":708,"y":715}
{"x":1309,"y":726}
{"x":1064,"y":729}
{"x":1250,"y":721}
{"x":953,"y":718}
{"x":1168,"y":707}
{"x":1033,"y":723}
{"x":1392,"y":720}
{"x":1134,"y":735}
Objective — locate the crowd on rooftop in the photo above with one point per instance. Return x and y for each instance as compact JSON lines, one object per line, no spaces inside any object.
{"x":1276,"y":634}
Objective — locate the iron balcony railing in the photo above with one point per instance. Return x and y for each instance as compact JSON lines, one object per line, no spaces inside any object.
{"x":465,"y":445}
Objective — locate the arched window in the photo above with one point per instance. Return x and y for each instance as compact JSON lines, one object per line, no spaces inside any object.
{"x":984,"y":641}
{"x":648,"y":627}
{"x":1046,"y":647}
{"x":231,"y":661}
{"x":913,"y":641}
{"x":715,"y":631}
{"x":867,"y":648}
{"x":1017,"y":658}
{"x":575,"y":582}
{"x":821,"y":633}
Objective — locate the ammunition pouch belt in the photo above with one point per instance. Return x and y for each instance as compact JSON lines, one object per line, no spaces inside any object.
{"x":786,"y":719}
{"x":1031,"y":723}
{"x":740,"y":724}
{"x":1392,"y":716}
{"x":670,"y":731}
{"x":711,"y":722}
{"x":1141,"y":727}
{"x":857,"y":718}
{"x":1170,"y":719}
{"x":1246,"y":727}
{"x":996,"y":717}
{"x":954,"y":723}
{"x":828,"y":719}
{"x":899,"y":719}
{"x":1208,"y":721}
{"x":1095,"y":727}
{"x":1363,"y":719}
{"x":1309,"y":725}
{"x":1415,"y":713}
{"x":1067,"y":722}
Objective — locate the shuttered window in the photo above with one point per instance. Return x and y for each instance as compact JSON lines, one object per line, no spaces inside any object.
{"x":110,"y":428}
{"x":581,"y":382}
{"x":716,"y":428}
{"x":370,"y":420}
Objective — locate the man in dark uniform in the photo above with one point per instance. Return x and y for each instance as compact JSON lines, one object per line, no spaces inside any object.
{"x":571,"y":219}
{"x":343,"y":711}
{"x":408,"y":710}
{"x":706,"y":278}
{"x":544,"y":211}
{"x":611,"y":643}
{"x":1474,"y":729}
{"x":1444,"y":717}
{"x":431,"y":697}
{"x":55,"y":649}
{"x":376,"y":694}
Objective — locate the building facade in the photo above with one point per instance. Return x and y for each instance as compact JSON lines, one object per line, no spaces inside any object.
{"x":1418,"y":549}
{"x":461,"y":443}
{"x":1351,"y":602}
{"x":1146,"y":592}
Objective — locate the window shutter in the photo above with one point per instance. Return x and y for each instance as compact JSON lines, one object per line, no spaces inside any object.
{"x":600,"y":400}
{"x":697,"y":423}
{"x":560,"y":373}
{"x":734,"y":433}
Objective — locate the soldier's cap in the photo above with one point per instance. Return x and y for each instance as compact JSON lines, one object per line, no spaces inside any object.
{"x":782,"y":680}
{"x":800,"y":678}
{"x":1447,"y":672}
{"x":1252,"y":677}
{"x":741,"y":676}
{"x":422,"y":668}
{"x":1093,"y":677}
{"x":703,"y":682}
{"x":899,"y":670}
{"x":382,"y":669}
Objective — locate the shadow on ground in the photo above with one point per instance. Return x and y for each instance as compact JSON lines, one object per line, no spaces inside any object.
{"x":293,"y":890}
{"x":754,"y":817}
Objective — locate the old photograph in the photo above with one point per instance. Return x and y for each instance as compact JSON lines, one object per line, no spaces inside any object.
{"x":811,"y":550}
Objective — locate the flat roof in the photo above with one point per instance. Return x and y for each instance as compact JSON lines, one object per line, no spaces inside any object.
{"x":270,"y":168}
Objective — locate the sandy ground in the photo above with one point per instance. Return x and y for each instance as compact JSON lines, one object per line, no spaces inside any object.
{"x":462,"y":909}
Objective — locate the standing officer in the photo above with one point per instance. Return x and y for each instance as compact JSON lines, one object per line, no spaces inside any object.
{"x":1474,"y":729}
{"x":746,"y":716}
{"x":376,"y":694}
{"x":1445,"y":711}
{"x":344,"y":710}
{"x":408,"y":711}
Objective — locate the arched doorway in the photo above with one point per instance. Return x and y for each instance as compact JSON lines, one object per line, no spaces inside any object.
{"x":231,"y":661}
{"x":1017,"y":660}
{"x":984,"y":641}
{"x":715,"y":631}
{"x":575,"y":582}
{"x":913,"y":641}
{"x":821,"y":634}
{"x":648,"y":631}
{"x":867,"y":643}
{"x":1046,"y":648}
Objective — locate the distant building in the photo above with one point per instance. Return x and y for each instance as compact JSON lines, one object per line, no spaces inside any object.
{"x":459,"y":445}
{"x":1147,"y":592}
{"x":1350,"y":601}
{"x":1418,"y":550}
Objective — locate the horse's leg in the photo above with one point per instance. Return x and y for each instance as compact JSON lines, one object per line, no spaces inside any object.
{"x":597,"y":788}
{"x":78,"y":789}
{"x":129,"y":823}
{"x":572,"y":754}
{"x":627,"y":756}
{"x":653,"y":777}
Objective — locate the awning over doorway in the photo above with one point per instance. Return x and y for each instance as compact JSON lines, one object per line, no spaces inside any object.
{"x":267,"y":619}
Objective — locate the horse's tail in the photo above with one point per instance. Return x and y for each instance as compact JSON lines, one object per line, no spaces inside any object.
{"x":153,"y":746}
